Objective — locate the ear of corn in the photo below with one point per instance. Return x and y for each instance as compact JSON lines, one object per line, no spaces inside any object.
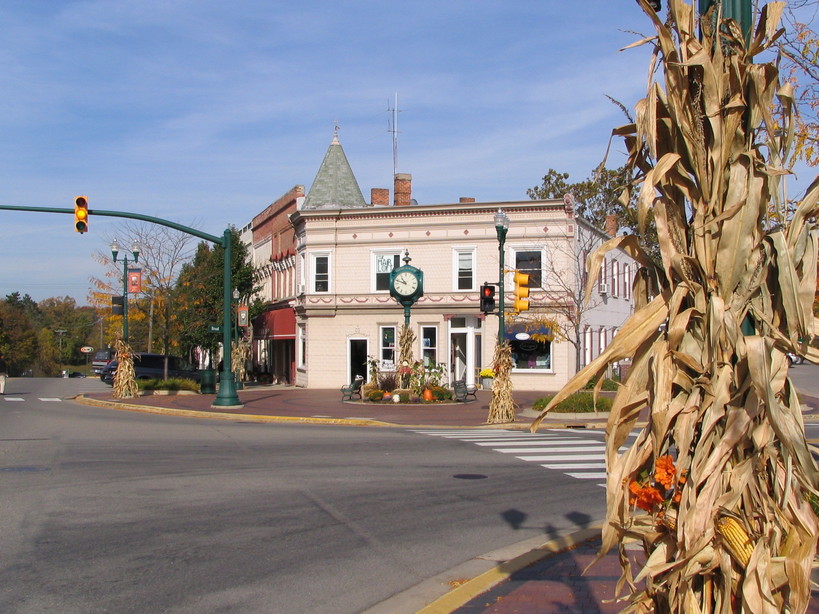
{"x":736,"y":540}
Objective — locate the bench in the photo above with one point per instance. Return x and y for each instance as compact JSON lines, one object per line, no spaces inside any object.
{"x":462,"y":391}
{"x":351,"y":390}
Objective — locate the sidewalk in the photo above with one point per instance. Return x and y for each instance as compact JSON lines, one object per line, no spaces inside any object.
{"x":546,"y":579}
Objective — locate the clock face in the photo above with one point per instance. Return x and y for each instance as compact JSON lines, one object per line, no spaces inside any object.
{"x":405,"y":283}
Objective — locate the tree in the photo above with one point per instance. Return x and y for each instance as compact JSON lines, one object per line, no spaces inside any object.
{"x":799,"y":50}
{"x":717,"y":485}
{"x":162,"y":253}
{"x":566,"y":296}
{"x":199,"y":291}
{"x":605,"y":192}
{"x":18,"y":337}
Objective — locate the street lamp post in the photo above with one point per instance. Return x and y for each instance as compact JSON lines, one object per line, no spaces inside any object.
{"x":501,"y":227}
{"x":125,"y":261}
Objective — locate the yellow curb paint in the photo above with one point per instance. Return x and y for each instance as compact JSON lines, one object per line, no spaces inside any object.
{"x":470,"y":589}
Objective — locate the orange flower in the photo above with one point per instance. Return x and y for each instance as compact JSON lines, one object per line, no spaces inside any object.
{"x":664,"y":471}
{"x":644,"y":496}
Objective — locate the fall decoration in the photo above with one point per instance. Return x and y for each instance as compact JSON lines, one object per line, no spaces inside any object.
{"x":712,"y":327}
{"x":125,"y":386}
{"x":502,"y":404}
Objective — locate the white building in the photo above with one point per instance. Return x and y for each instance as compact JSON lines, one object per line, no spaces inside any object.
{"x":345,"y":249}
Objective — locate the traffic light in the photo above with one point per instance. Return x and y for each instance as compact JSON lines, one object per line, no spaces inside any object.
{"x":521,"y":292}
{"x":81,"y":214}
{"x":488,"y":298}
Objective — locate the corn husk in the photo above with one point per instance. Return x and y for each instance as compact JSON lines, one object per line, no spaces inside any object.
{"x":125,"y":386}
{"x":502,"y":404}
{"x":713,"y":323}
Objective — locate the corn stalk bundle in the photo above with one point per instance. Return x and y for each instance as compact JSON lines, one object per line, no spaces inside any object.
{"x":239,"y":355}
{"x":406,"y":339}
{"x":715,"y":485}
{"x":502,"y":404}
{"x":125,"y":386}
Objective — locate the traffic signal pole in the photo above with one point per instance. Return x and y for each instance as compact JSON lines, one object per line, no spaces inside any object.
{"x":227,"y":396}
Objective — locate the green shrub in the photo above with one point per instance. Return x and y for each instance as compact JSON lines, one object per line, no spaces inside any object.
{"x":174,"y":383}
{"x":375,"y":395}
{"x":609,"y":385}
{"x":439,"y":393}
{"x":580,"y":402}
{"x":402,"y":394}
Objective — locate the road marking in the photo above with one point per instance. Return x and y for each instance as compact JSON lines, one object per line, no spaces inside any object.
{"x":578,"y":456}
{"x":13,"y":398}
{"x":50,"y":399}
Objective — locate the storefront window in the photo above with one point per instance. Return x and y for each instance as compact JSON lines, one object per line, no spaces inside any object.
{"x":388,"y":348}
{"x":531,"y":354}
{"x":429,"y":341}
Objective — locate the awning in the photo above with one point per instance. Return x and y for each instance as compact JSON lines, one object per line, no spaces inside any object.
{"x":276,"y":324}
{"x":521,"y":331}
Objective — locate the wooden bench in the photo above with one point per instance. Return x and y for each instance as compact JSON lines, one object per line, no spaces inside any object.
{"x":462,"y":391}
{"x":351,"y":390}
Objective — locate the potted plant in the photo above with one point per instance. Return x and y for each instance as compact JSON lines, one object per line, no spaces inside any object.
{"x":486,"y":375}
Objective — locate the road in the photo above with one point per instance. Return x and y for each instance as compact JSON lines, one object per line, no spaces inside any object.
{"x":108,"y":511}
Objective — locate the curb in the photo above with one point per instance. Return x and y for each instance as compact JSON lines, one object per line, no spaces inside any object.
{"x":483,"y":573}
{"x":226,"y":416}
{"x":233,"y":417}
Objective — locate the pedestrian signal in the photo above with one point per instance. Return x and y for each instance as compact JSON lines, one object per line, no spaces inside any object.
{"x":488,"y":298}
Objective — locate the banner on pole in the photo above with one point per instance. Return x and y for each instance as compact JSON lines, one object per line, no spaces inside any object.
{"x":134,"y":281}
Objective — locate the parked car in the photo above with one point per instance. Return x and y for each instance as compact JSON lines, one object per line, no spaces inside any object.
{"x":152,"y":366}
{"x":101,"y":359}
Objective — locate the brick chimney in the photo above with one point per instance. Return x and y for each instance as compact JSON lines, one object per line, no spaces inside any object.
{"x":402,"y":190}
{"x":380,"y":196}
{"x":611,"y":225}
{"x":466,"y":199}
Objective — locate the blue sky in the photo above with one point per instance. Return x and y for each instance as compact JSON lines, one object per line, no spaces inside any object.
{"x":204,"y":112}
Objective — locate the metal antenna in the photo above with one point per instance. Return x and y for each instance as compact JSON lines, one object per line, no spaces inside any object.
{"x":393,"y":128}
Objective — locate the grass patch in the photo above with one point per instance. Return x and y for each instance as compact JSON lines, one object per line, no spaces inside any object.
{"x":174,"y":383}
{"x":580,"y":402}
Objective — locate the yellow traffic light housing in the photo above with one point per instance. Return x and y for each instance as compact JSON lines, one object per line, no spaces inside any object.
{"x":81,"y":214}
{"x":521,"y":302}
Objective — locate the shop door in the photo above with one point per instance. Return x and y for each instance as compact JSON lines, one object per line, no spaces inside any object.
{"x":358,"y":358}
{"x":458,"y":359}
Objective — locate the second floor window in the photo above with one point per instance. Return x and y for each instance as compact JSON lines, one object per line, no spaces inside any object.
{"x":465,"y":269}
{"x":531,"y":262}
{"x":321,"y":273}
{"x":383,"y":264}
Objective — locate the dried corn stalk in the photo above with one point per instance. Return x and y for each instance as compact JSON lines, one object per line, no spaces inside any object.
{"x":239,"y":355}
{"x":710,"y":333}
{"x":502,"y":405}
{"x":125,"y":386}
{"x":406,"y":339}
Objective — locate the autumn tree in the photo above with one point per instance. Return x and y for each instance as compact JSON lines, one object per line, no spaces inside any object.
{"x":162,"y":252}
{"x":601,"y":194}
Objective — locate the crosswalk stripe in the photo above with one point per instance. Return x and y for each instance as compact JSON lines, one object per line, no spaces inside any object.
{"x":13,"y":398}
{"x":579,"y":457}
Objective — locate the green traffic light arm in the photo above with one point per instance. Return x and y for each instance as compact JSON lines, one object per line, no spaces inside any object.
{"x":126,"y":214}
{"x":226,"y":397}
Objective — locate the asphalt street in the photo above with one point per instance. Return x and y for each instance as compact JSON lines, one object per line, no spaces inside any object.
{"x":122,"y":512}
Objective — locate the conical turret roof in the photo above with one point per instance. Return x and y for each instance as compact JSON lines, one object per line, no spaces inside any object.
{"x":335,"y":185}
